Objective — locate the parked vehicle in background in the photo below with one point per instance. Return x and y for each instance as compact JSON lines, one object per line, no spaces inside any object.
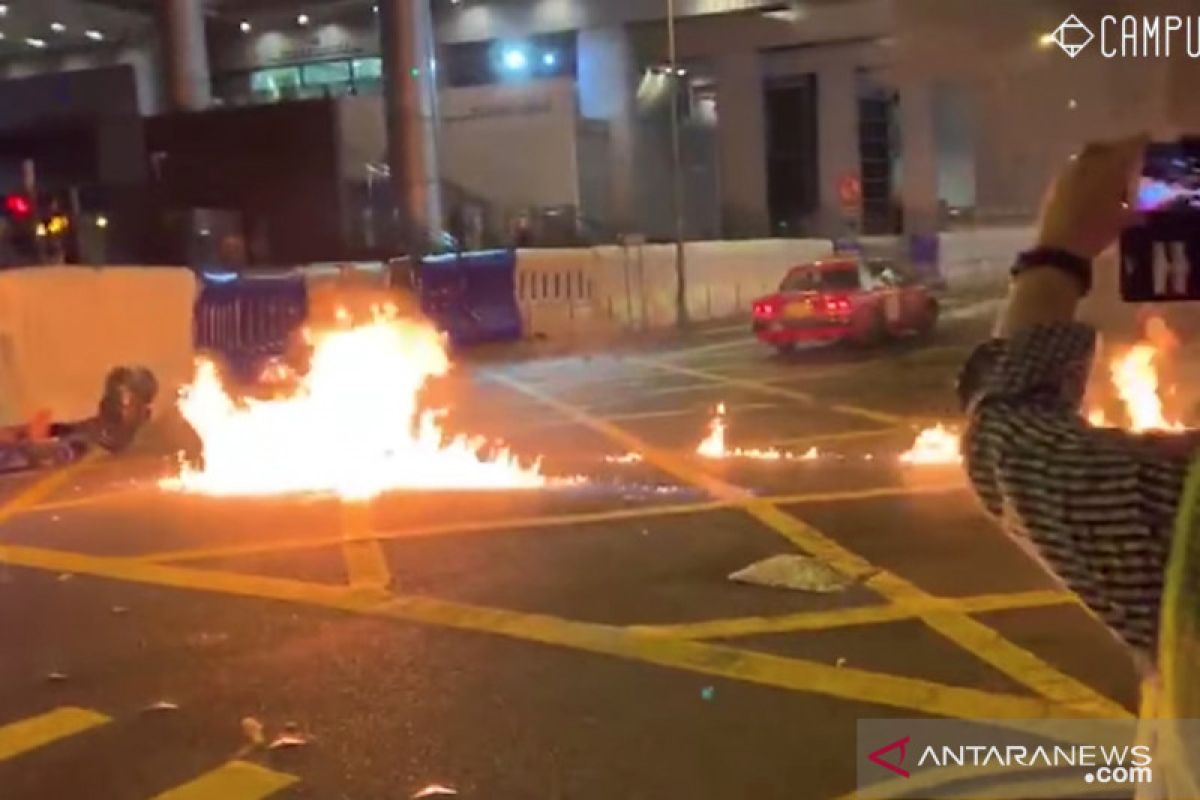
{"x":863,"y":301}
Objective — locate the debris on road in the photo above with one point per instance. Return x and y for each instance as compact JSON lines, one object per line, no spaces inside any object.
{"x":253,"y":729}
{"x":841,"y":662}
{"x":118,"y":610}
{"x":160,"y":706}
{"x":56,"y":677}
{"x":287,"y":740}
{"x":708,"y":693}
{"x":435,"y":790}
{"x":66,"y":576}
{"x":801,"y":573}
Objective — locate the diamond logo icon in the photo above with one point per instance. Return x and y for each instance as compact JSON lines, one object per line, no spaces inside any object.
{"x":1072,"y":36}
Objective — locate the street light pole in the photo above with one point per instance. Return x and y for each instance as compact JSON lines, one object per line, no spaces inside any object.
{"x":681,"y":309}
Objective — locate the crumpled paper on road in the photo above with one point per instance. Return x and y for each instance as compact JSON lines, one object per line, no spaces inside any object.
{"x":800,"y":573}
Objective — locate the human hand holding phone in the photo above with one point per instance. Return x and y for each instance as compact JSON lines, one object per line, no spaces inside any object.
{"x":1161,"y":243}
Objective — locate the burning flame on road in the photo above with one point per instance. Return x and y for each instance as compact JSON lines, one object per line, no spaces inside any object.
{"x":935,"y":445}
{"x":713,"y":446}
{"x":352,"y":425}
{"x":1135,"y":377}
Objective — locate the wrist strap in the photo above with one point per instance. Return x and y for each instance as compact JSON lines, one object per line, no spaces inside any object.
{"x":1073,"y":265}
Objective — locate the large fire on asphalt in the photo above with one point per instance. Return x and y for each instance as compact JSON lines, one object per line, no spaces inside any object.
{"x":352,"y":425}
{"x":1135,"y":378}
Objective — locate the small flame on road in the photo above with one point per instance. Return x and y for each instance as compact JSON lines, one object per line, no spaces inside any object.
{"x":934,"y":445}
{"x":352,"y":425}
{"x":714,"y":446}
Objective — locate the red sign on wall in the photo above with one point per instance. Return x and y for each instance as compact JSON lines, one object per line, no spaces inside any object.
{"x":849,"y":188}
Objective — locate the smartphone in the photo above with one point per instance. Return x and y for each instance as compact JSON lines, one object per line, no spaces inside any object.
{"x":1160,"y":254}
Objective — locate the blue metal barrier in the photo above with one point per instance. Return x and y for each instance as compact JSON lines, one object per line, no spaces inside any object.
{"x":924,"y":253}
{"x":472,"y":296}
{"x":247,"y":319}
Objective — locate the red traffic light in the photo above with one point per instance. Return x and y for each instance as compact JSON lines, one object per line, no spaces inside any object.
{"x":18,"y":205}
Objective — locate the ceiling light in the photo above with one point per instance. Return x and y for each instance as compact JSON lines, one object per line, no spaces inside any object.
{"x":57,"y":27}
{"x":1,"y":36}
{"x":375,"y":8}
{"x":549,"y":59}
{"x":302,"y":19}
{"x":514,"y":59}
{"x":32,"y":42}
{"x":3,"y":9}
{"x":245,"y":26}
{"x":94,"y":35}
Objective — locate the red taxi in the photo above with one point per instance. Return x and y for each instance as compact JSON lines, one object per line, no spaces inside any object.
{"x":844,"y":299}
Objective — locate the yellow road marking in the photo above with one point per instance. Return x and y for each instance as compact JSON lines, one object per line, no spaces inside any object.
{"x":847,"y":617}
{"x":681,"y":412}
{"x":29,"y":734}
{"x":236,"y":780}
{"x":537,"y":523}
{"x":45,"y":486}
{"x":687,"y":352}
{"x":366,"y":564}
{"x":837,"y":437}
{"x":472,"y":526}
{"x":698,"y":657}
{"x":771,"y":389}
{"x":84,"y":500}
{"x":973,"y":636}
{"x":978,"y":639}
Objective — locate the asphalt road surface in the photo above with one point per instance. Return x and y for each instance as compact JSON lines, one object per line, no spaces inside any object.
{"x":579,"y":641}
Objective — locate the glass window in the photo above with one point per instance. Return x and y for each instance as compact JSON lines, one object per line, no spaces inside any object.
{"x":815,"y":280}
{"x":275,"y":82}
{"x":326,"y":73}
{"x":368,"y":69}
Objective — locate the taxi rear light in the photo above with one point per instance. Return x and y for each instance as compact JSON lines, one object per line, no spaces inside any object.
{"x":836,"y":305}
{"x":765,"y":308}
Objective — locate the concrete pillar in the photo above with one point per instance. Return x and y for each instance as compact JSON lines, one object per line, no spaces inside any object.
{"x":837,"y":142}
{"x":741,"y":145}
{"x":186,"y":55}
{"x":410,"y":100}
{"x":607,"y":79}
{"x":918,"y":157}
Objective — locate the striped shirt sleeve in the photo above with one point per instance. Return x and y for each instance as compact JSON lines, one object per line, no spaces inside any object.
{"x":1096,"y":506}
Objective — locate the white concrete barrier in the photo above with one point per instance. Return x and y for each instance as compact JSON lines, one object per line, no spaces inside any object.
{"x":982,"y":257}
{"x":63,"y":328}
{"x":574,"y":291}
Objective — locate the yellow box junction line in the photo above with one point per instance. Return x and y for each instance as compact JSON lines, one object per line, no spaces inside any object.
{"x":31,"y":733}
{"x":770,"y":389}
{"x":972,"y":635}
{"x":716,"y":660}
{"x":849,"y":683}
{"x":235,"y":780}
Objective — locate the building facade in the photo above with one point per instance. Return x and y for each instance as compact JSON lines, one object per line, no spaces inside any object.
{"x":796,"y":118}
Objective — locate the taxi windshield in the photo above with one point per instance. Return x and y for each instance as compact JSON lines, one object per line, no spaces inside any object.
{"x":820,"y":280}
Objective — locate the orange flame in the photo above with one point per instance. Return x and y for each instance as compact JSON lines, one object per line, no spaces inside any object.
{"x":713,"y":445}
{"x":351,"y":425}
{"x":936,"y":445}
{"x":1136,"y":379}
